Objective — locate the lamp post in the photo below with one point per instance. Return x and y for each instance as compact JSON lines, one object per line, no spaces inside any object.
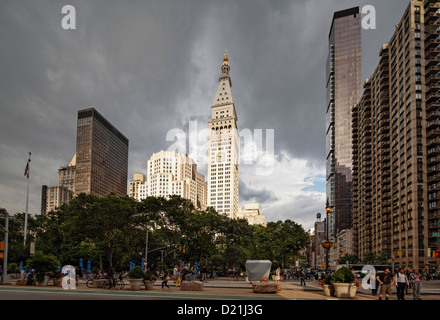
{"x":327,"y":244}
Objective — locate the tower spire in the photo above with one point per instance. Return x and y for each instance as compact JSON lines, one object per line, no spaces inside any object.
{"x":225,"y":59}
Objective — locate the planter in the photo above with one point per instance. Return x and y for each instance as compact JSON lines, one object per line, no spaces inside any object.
{"x":98,"y":283}
{"x":57,"y":282}
{"x":329,"y":290}
{"x":135,"y":284}
{"x":43,"y":283}
{"x":149,"y":285}
{"x":353,"y":290}
{"x":342,"y":290}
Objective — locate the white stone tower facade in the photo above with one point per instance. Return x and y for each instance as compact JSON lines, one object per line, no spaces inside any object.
{"x":223,"y":148}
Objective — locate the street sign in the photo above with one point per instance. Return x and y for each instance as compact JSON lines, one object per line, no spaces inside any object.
{"x":32,"y":249}
{"x":2,"y":246}
{"x":436,"y":234}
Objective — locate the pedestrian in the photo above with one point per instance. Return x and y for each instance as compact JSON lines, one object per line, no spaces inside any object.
{"x":386,"y":280}
{"x":401,"y":284}
{"x":416,"y":280}
{"x":302,"y":277}
{"x":165,"y":280}
{"x":373,"y":282}
{"x":204,"y":273}
{"x":277,"y":275}
{"x":178,"y":278}
{"x":111,"y":278}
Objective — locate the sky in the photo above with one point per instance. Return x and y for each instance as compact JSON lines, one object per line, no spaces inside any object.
{"x":151,"y":67}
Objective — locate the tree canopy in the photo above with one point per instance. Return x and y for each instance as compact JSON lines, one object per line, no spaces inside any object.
{"x":111,"y":231}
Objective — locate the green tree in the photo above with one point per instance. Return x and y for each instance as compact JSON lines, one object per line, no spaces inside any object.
{"x":42,"y":263}
{"x":288,"y":238}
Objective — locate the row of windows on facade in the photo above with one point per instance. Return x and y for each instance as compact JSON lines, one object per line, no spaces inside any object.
{"x":213,"y":176}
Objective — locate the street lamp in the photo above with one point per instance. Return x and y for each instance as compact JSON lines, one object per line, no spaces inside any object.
{"x":327,"y":244}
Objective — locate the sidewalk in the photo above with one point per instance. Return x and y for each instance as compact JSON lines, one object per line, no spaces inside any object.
{"x":223,"y":289}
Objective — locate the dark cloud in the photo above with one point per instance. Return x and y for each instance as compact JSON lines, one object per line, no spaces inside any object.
{"x":250,"y":194}
{"x":151,"y":66}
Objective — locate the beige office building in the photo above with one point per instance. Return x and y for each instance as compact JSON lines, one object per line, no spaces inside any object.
{"x":138,"y":178}
{"x":172,"y":173}
{"x":53,"y":197}
{"x":251,"y":212}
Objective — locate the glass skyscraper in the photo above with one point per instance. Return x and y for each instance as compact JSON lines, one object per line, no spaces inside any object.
{"x":344,"y":88}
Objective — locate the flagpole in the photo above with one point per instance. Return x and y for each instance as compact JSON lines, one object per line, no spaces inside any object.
{"x":27,"y":201}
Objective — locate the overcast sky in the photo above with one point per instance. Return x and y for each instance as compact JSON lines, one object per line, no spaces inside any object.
{"x":152,"y":66}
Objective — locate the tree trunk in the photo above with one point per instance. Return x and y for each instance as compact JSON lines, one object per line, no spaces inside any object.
{"x":111,"y":257}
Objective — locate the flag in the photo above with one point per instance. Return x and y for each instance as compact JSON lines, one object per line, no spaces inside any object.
{"x":26,"y":171}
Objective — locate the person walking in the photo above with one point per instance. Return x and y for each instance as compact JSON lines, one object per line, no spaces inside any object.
{"x":165,"y":280}
{"x":374,"y":283}
{"x":277,"y":275}
{"x":178,"y":278}
{"x":401,"y":284}
{"x":302,"y":278}
{"x":416,"y":280}
{"x":386,"y":280}
{"x":204,"y":273}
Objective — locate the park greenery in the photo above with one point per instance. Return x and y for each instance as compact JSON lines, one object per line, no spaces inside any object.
{"x":110,"y":232}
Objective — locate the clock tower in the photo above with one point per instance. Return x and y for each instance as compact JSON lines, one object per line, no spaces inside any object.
{"x":223,"y":148}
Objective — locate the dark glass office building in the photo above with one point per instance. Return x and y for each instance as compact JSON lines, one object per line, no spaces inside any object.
{"x":101,"y":156}
{"x":344,"y":88}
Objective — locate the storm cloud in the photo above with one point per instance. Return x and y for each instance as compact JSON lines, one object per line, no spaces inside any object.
{"x":152,"y":66}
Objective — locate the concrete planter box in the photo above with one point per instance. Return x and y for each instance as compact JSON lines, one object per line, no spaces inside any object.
{"x":135,"y":284}
{"x":43,"y":283}
{"x":57,"y":282}
{"x":271,"y":287}
{"x":192,"y":286}
{"x":149,"y":285}
{"x":98,"y":283}
{"x":345,"y":290}
{"x":329,"y":290}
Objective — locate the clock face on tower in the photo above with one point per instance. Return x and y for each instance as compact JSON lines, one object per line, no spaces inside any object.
{"x":220,"y":157}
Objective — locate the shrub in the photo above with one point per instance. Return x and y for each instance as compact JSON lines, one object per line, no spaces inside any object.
{"x":343,"y":275}
{"x":136,"y":273}
{"x":42,"y":264}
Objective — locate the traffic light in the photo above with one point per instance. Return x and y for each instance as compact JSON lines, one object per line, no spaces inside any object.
{"x":437,"y":254}
{"x":328,"y":209}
